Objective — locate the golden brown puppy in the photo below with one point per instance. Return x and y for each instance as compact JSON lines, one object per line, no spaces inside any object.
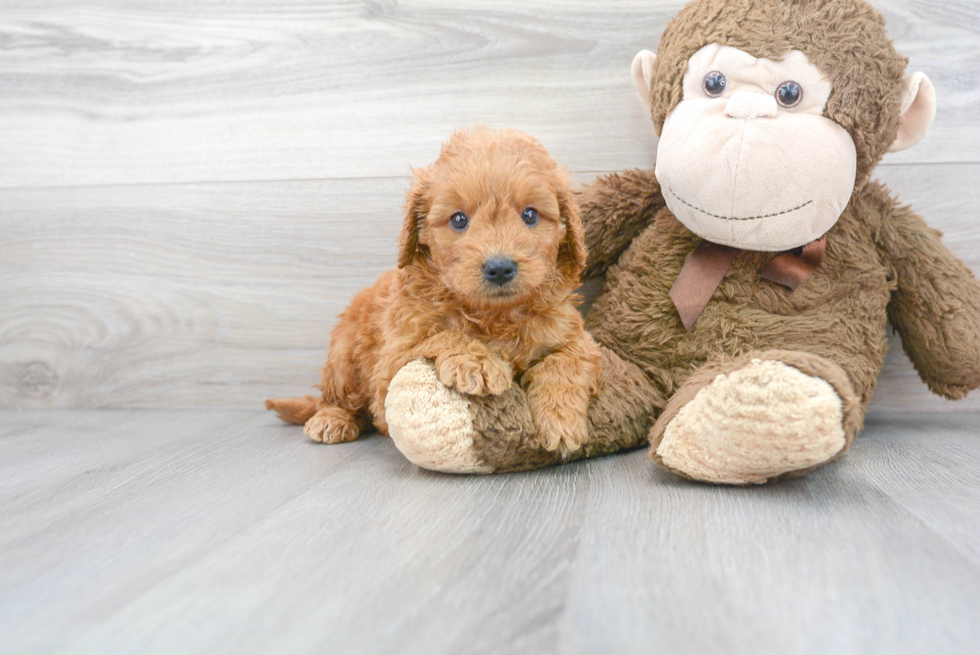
{"x":490,"y":255}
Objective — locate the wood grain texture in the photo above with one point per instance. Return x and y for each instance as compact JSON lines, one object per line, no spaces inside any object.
{"x":118,"y":92}
{"x":226,"y":532}
{"x":128,"y":296}
{"x":220,"y":295}
{"x":828,"y":563}
{"x":190,"y":192}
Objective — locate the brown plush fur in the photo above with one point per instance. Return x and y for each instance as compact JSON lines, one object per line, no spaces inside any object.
{"x":619,"y":419}
{"x":438,"y":305}
{"x":883,"y":264}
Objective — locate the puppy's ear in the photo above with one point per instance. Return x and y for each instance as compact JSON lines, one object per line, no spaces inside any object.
{"x":416,"y":208}
{"x":572,"y":253}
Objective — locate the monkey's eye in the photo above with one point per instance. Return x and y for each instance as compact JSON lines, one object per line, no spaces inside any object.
{"x":530,"y":216}
{"x":715,"y":84}
{"x":789,"y":94}
{"x":459,"y":221}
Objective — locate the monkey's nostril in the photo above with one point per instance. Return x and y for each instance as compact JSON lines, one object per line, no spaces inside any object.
{"x":499,"y":270}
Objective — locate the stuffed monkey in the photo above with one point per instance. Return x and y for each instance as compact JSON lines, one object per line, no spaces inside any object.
{"x":751,"y":277}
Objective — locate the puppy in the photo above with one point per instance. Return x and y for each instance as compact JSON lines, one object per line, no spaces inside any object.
{"x":489,"y":258}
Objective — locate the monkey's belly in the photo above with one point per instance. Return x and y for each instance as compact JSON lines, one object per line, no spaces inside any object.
{"x":839,"y":313}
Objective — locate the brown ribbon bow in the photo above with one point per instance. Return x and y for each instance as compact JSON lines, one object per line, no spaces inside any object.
{"x":706,"y":268}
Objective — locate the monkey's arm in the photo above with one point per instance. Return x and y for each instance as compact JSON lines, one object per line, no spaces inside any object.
{"x":615,"y":208}
{"x":936,"y":306}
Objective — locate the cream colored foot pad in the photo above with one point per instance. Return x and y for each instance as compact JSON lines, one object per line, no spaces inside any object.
{"x":758,"y":422}
{"x":429,"y":423}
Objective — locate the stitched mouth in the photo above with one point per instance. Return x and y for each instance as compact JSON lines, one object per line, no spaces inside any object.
{"x":737,"y":218}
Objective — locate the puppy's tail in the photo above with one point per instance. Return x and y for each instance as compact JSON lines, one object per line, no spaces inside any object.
{"x":294,"y":410}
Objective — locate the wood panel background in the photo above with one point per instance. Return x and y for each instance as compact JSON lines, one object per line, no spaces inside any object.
{"x":191,"y":191}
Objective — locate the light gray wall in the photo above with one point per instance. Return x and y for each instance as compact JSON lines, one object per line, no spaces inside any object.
{"x":191,"y":191}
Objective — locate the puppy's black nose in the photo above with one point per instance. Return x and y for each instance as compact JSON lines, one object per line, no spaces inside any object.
{"x":499,"y":270}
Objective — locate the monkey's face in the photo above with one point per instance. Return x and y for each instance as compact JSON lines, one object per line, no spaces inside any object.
{"x":747,"y":158}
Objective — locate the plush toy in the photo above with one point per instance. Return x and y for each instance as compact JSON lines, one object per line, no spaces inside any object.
{"x":751,"y":277}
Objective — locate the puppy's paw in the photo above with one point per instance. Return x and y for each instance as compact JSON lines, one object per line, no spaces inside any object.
{"x":332,"y":425}
{"x":559,"y":427}
{"x":475,"y":375}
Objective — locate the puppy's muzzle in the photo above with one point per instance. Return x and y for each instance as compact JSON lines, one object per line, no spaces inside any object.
{"x":499,"y":270}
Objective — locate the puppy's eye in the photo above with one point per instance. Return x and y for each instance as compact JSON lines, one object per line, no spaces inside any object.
{"x":789,"y":94}
{"x":530,"y":216}
{"x":459,"y":221}
{"x":715,"y":84}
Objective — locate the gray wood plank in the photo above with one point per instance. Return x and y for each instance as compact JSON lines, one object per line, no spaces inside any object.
{"x":160,"y":296}
{"x":823,"y":564}
{"x":139,"y":530}
{"x":248,"y":538}
{"x":61,"y":462}
{"x":220,"y":295}
{"x":117,"y":92}
{"x":302,"y":548}
{"x":939,"y":485}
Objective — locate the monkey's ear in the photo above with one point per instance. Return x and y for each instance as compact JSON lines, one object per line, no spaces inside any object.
{"x":642,"y":72}
{"x":918,"y":110}
{"x":416,"y":207}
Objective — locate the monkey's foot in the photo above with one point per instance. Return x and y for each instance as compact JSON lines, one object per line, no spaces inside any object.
{"x":430,"y":423}
{"x":758,"y":418}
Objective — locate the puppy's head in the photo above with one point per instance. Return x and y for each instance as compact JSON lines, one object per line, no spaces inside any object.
{"x":495,"y":219}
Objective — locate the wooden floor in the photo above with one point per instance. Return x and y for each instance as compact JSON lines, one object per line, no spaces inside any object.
{"x":226,"y":532}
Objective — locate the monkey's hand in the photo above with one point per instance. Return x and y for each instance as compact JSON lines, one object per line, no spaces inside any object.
{"x":936,"y":306}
